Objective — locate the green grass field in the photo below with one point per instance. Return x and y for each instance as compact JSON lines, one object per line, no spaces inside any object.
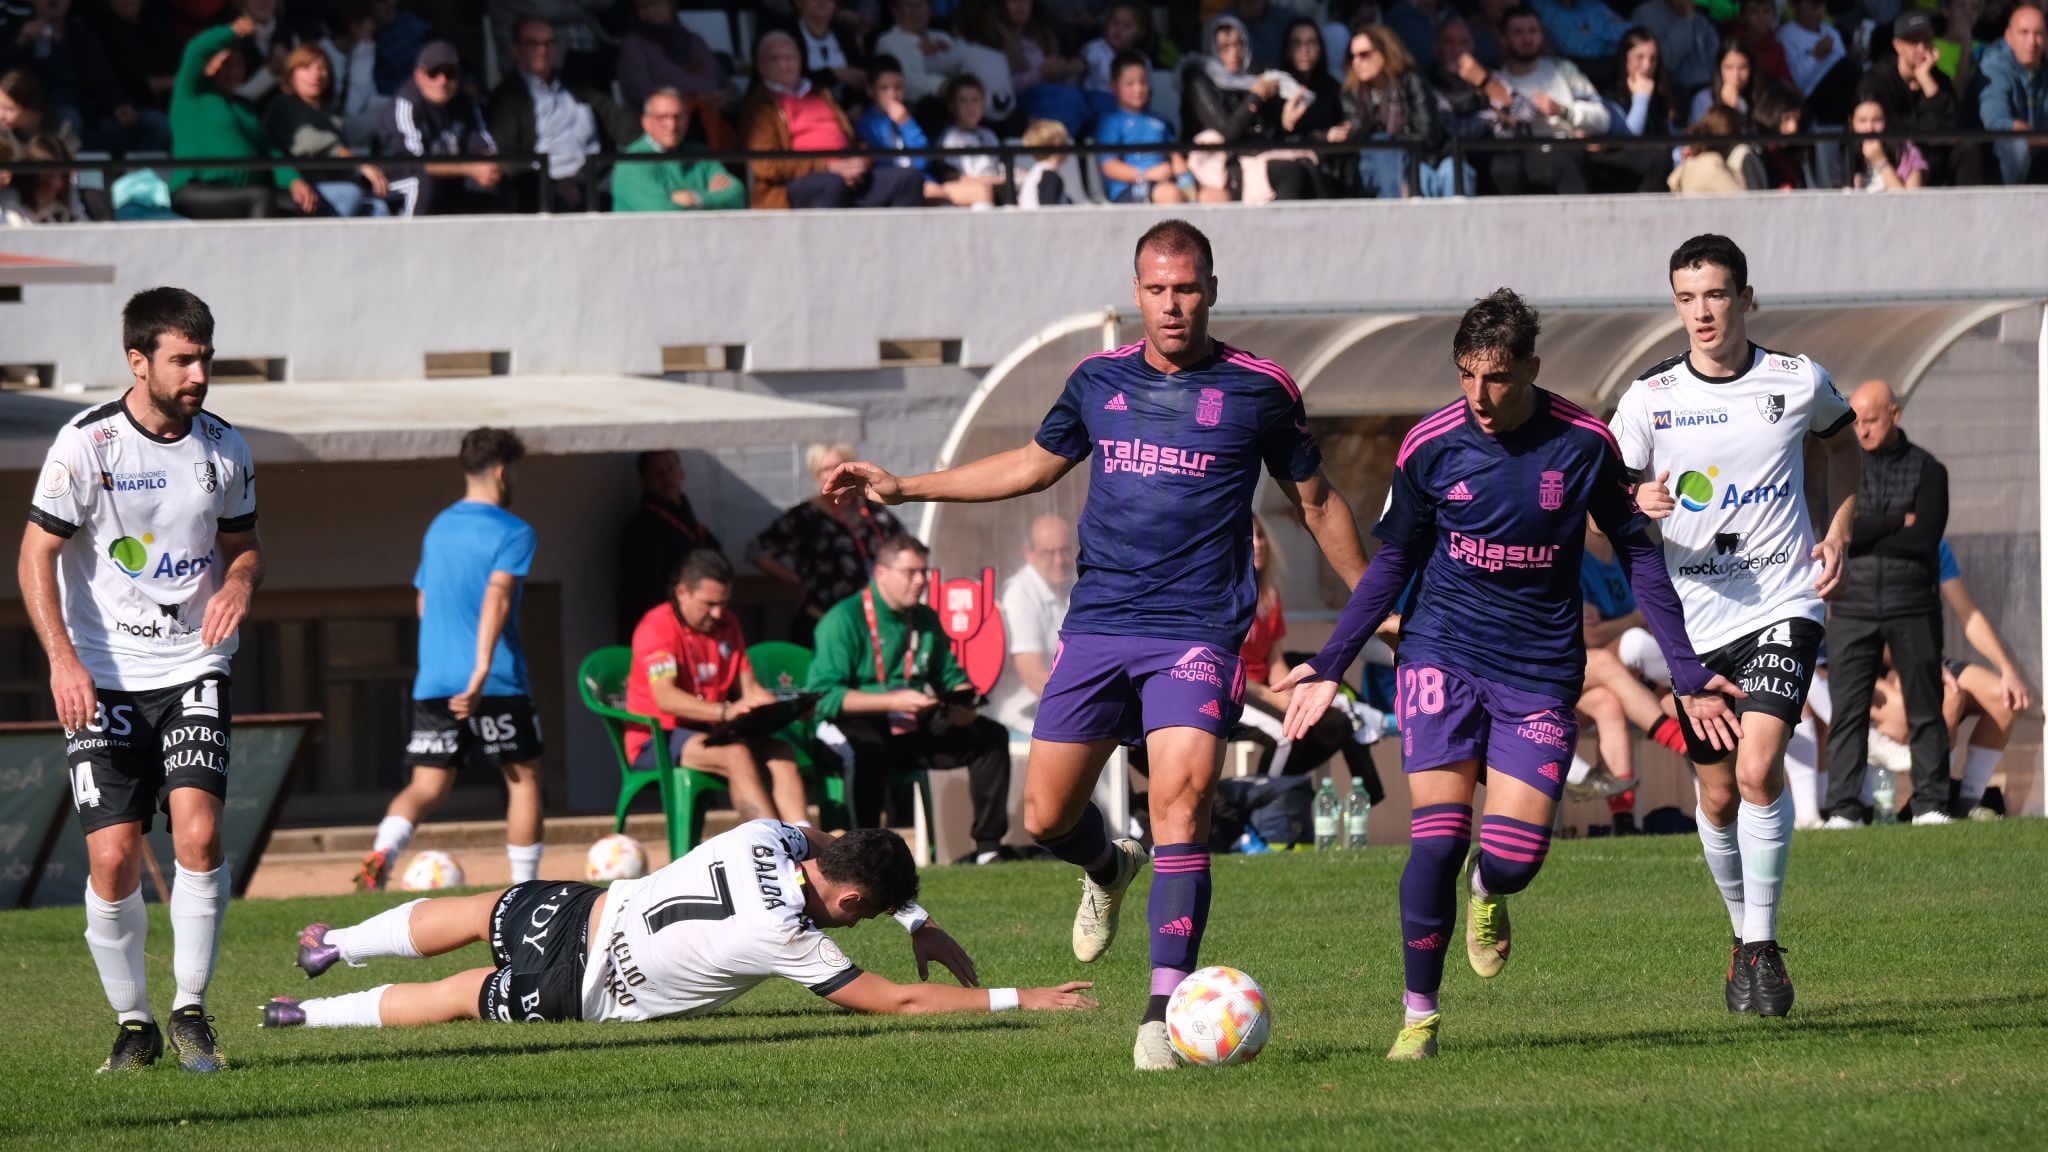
{"x":1922,"y":1023}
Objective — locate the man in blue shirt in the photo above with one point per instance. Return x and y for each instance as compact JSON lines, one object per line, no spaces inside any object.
{"x":1179,"y":426}
{"x":1145,"y":177}
{"x":1490,"y":500}
{"x":471,"y":699}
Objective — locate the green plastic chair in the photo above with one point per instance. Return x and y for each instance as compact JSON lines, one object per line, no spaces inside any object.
{"x":782,"y":668}
{"x":685,"y":792}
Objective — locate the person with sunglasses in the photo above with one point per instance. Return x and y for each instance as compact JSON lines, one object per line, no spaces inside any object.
{"x":433,"y":119}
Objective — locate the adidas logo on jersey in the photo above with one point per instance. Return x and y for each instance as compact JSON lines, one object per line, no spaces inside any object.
{"x":1116,"y":404}
{"x":1212,"y":710}
{"x":1458,"y":492}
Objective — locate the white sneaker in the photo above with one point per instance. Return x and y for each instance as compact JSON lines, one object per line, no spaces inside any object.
{"x":1838,"y":823}
{"x":1929,"y":819}
{"x":1154,"y":1049}
{"x":1095,"y":921}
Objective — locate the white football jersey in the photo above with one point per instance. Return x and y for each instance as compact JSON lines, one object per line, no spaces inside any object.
{"x":140,"y":515}
{"x":705,"y":929}
{"x":1740,"y":543}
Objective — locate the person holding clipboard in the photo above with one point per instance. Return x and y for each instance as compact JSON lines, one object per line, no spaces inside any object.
{"x":690,"y":670}
{"x":887,"y":678}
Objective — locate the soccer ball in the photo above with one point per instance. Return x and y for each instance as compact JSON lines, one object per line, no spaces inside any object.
{"x":616,"y":857}
{"x":1218,"y":1016}
{"x":431,"y":870}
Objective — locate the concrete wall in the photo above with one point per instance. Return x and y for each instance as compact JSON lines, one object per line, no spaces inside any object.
{"x":817,"y":291}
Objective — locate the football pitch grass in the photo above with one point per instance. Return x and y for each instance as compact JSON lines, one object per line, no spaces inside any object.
{"x":1922,"y":1023}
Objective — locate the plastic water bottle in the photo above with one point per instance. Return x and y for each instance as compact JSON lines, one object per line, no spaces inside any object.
{"x":1356,"y":808}
{"x":1326,"y":815}
{"x":1883,"y":796}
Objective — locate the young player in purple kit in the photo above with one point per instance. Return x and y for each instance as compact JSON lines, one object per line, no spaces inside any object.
{"x":1489,"y":506}
{"x":1180,"y":426}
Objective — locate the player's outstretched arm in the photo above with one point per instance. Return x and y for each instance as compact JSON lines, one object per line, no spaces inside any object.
{"x":1328,"y":517}
{"x":880,"y":996}
{"x":1018,"y":472}
{"x":1316,"y":681}
{"x":71,"y":686}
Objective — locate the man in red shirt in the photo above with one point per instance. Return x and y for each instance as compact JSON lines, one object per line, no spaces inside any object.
{"x":784,"y":113}
{"x":690,"y":671}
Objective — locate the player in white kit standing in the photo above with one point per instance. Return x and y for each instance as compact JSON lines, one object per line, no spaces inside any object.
{"x":137,"y":566}
{"x":697,"y":934}
{"x":1730,"y":420}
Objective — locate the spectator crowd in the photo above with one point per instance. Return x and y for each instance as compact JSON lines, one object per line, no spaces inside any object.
{"x":376,"y":107}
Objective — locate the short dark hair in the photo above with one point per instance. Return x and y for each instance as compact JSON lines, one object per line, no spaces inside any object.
{"x":485,"y":448}
{"x":1499,"y":322}
{"x":1518,"y":12}
{"x":960,"y":83}
{"x":1128,"y":60}
{"x":1175,"y":237}
{"x":1710,"y":248}
{"x":155,"y":311}
{"x":897,"y":544}
{"x":642,"y":461}
{"x":874,"y":860}
{"x":883,"y":62}
{"x":700,"y":565}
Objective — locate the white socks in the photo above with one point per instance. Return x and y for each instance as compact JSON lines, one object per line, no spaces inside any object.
{"x":197,"y":901}
{"x":114,"y":933}
{"x":1802,"y":776}
{"x":388,"y":933}
{"x":355,"y":1010}
{"x":1724,"y":860}
{"x":393,"y":833}
{"x":525,"y":860}
{"x":1764,"y":832}
{"x":1978,"y":767}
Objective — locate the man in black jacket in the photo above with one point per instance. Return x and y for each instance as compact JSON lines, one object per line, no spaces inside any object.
{"x":533,"y":112}
{"x":1915,"y":93}
{"x":1890,"y":594}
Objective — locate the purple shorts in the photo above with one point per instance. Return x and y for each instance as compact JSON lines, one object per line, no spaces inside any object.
{"x":1448,"y":715}
{"x":1122,"y":687}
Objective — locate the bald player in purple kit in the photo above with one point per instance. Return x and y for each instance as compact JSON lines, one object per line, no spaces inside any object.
{"x":1489,"y":506}
{"x":1180,"y":427}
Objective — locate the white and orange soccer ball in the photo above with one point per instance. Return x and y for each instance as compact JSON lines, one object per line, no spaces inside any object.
{"x":429,"y":871}
{"x":1218,"y":1015}
{"x":615,"y":857}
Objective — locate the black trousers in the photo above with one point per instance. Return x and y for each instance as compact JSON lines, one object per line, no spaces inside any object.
{"x":1856,"y":660}
{"x":885,"y":187}
{"x":1535,"y":173}
{"x":197,"y":201}
{"x":983,"y":748}
{"x":1331,"y":736}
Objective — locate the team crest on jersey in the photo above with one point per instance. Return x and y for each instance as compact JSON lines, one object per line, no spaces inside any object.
{"x":1771,"y":407}
{"x":1209,"y":407}
{"x":1550,"y":491}
{"x":209,"y":479}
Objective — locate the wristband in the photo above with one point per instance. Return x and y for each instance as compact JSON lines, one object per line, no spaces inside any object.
{"x":1002,"y":999}
{"x":911,"y":917}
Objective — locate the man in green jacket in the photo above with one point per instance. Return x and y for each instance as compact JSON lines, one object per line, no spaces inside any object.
{"x":210,"y":122}
{"x":892,"y":686}
{"x":677,"y":184}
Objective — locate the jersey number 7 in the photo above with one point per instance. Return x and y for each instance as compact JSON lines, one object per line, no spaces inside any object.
{"x":676,"y":909}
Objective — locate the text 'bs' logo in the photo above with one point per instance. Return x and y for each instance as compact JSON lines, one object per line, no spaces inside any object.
{"x":1696,"y":490}
{"x":1209,"y":407}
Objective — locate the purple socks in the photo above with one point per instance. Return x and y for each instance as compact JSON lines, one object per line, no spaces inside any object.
{"x":1510,"y":853}
{"x":1086,"y":844}
{"x":1177,"y":913}
{"x":1440,"y":835}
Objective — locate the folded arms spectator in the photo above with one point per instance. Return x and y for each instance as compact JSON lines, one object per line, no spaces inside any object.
{"x":433,"y":120}
{"x":675,"y":184}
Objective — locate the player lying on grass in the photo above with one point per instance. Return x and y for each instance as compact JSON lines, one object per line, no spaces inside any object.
{"x":1490,"y":500}
{"x":688,"y":939}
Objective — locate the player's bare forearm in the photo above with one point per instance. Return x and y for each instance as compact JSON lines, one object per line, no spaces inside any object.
{"x":1017,"y":472}
{"x":37,"y":573}
{"x":244,"y":553}
{"x":1328,"y":517}
{"x":1844,"y":518}
{"x":687,"y":707}
{"x":490,"y":624}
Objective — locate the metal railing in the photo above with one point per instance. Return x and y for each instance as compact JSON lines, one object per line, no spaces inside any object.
{"x":597,"y":166}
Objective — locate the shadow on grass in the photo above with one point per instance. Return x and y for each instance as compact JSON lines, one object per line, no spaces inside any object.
{"x":1859,"y":1020}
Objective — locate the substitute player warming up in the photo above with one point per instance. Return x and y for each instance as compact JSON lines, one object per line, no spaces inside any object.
{"x":1489,"y":505}
{"x":1731,"y":420}
{"x":137,"y":567}
{"x":1180,"y":427}
{"x":696,"y":935}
